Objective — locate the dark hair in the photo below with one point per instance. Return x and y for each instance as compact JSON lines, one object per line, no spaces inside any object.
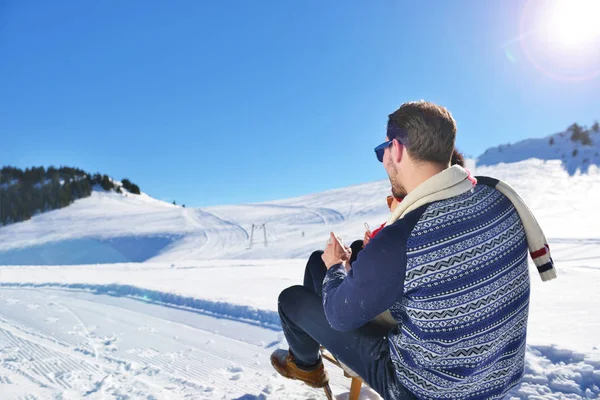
{"x":457,"y":158}
{"x":430,"y":131}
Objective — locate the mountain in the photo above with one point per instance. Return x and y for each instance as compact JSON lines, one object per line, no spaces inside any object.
{"x":577,"y":148}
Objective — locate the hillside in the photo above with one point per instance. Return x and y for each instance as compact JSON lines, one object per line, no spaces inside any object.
{"x":577,"y":148}
{"x":108,"y":227}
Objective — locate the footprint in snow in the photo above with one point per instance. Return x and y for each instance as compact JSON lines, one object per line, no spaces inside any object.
{"x":236,"y":372}
{"x":252,"y":397}
{"x":268,"y":389}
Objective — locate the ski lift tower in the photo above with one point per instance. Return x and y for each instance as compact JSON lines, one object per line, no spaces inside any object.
{"x":256,"y":227}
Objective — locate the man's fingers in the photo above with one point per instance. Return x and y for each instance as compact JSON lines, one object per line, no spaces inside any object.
{"x":348,"y":251}
{"x":335,"y":239}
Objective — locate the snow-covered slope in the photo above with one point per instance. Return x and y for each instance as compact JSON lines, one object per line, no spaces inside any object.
{"x":105,"y":227}
{"x":574,"y":154}
{"x":108,"y":227}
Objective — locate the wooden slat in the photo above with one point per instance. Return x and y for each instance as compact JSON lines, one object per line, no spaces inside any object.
{"x":355,"y":386}
{"x":328,"y":393}
{"x":329,"y":357}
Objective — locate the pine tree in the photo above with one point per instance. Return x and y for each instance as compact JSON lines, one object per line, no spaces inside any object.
{"x":64,"y":195}
{"x":106,"y":183}
{"x":585,"y":139}
{"x":126,"y":184}
{"x":135,"y":189}
{"x":2,"y":207}
{"x":596,"y":127}
{"x":575,"y":131}
{"x":579,"y":134}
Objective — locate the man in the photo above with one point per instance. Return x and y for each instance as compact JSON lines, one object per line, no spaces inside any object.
{"x":315,"y":270}
{"x":450,"y":266}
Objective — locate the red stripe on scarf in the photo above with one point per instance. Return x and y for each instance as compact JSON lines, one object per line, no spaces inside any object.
{"x":540,"y":252}
{"x":471,"y":178}
{"x":376,"y":231}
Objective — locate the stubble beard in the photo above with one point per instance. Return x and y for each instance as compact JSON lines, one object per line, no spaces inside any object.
{"x":398,"y":190}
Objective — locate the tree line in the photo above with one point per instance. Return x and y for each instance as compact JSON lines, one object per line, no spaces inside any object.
{"x":25,"y":193}
{"x":581,"y":134}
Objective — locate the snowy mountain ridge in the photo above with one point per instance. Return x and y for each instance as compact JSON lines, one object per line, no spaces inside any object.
{"x":108,"y":227}
{"x":577,"y":148}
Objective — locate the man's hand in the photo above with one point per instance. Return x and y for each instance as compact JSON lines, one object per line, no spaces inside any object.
{"x":335,"y":253}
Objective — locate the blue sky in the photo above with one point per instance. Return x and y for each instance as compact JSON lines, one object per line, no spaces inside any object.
{"x":224,"y":102}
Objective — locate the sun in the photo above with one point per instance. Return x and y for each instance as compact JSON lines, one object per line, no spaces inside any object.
{"x":561,"y":38}
{"x":573,"y":24}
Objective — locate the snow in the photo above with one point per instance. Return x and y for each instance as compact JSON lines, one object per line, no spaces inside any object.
{"x":130,"y":297}
{"x":74,"y":344}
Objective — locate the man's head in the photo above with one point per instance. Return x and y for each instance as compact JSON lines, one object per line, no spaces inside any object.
{"x":421,"y":136}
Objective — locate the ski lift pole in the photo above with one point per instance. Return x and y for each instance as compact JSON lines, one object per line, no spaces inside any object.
{"x":251,"y":237}
{"x":265,"y":233}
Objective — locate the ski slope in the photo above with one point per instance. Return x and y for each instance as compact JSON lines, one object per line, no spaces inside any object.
{"x":131,"y":297}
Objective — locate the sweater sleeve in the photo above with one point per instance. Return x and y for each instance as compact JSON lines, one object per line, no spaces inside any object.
{"x":376,"y":280}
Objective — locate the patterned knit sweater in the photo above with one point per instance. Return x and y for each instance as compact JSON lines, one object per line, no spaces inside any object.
{"x":454,"y":274}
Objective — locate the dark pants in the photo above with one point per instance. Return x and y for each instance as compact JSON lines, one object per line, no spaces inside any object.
{"x":365,"y":350}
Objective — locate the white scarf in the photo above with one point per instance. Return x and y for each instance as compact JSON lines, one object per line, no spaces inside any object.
{"x":450,"y":182}
{"x":455,"y":181}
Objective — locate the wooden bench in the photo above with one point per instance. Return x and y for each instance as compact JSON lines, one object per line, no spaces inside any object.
{"x":355,"y":384}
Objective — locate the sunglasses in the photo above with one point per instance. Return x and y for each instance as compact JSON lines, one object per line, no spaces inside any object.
{"x":380,"y":150}
{"x":392,"y":132}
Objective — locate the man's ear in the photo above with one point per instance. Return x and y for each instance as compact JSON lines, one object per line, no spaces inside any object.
{"x":398,"y":151}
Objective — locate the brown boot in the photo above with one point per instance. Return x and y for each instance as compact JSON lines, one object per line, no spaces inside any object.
{"x":284,"y":363}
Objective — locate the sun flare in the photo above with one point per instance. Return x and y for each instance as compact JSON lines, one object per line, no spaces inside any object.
{"x":573,"y":24}
{"x":561,"y":38}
